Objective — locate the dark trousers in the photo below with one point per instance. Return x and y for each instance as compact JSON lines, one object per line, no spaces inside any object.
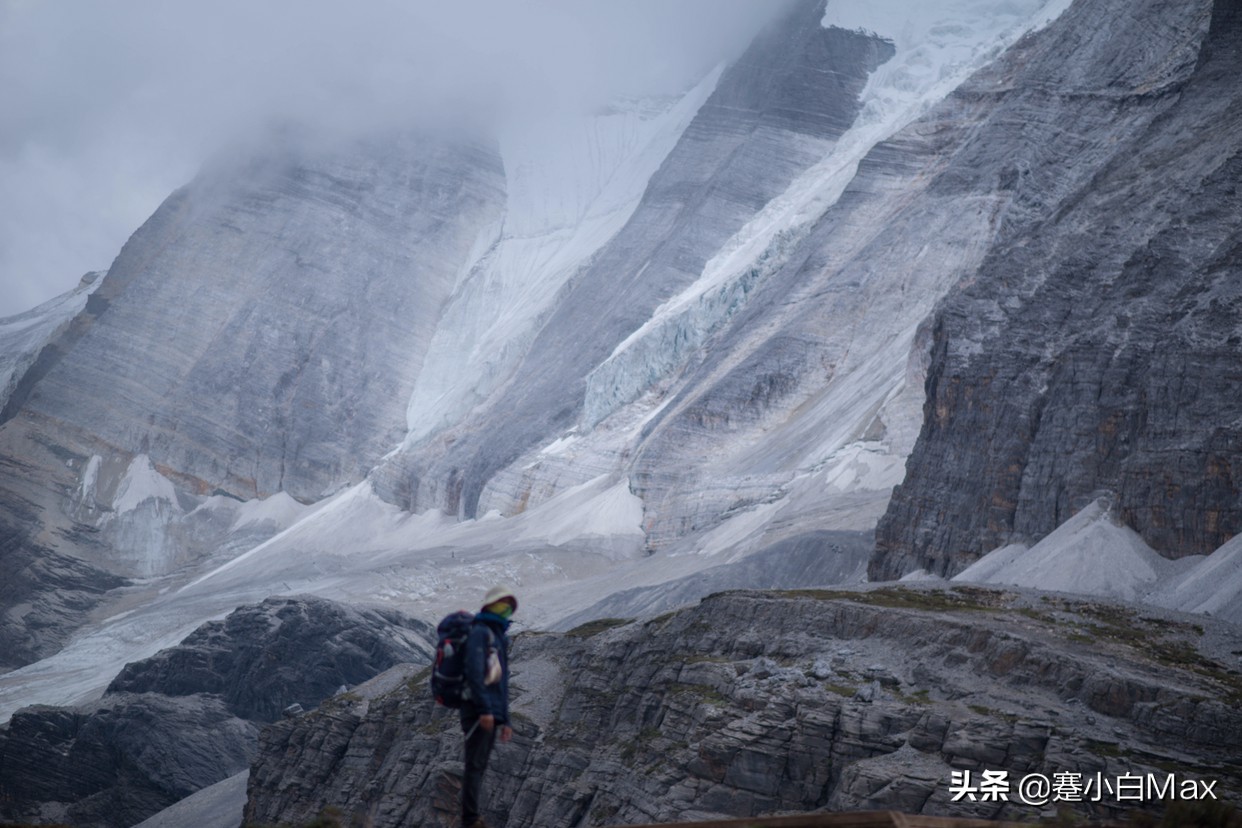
{"x":479,"y":744}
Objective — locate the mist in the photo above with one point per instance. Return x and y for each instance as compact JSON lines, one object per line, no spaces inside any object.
{"x":109,"y":107}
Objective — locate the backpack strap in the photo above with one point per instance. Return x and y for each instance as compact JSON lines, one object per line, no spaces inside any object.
{"x":491,"y":636}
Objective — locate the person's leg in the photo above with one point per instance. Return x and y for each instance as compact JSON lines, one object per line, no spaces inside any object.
{"x":478,"y":748}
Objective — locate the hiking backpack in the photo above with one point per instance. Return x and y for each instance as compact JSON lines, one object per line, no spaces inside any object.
{"x":448,"y":680}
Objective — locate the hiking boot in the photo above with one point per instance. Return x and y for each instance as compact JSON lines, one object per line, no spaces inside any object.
{"x":478,"y":823}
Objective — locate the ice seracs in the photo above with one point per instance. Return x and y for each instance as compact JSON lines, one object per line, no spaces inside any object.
{"x":571,"y":183}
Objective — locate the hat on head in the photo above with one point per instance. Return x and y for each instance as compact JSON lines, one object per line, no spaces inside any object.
{"x":499,"y":593}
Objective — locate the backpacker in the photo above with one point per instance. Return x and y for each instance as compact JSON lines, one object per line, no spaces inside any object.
{"x":448,"y":681}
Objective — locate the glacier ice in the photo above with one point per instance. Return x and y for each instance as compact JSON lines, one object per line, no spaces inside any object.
{"x":571,"y":184}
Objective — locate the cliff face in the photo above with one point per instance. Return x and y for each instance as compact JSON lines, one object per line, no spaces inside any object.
{"x":755,"y":703}
{"x":1095,"y":349}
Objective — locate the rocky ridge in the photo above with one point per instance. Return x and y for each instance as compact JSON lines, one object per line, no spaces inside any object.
{"x":755,"y":703}
{"x":190,"y":716}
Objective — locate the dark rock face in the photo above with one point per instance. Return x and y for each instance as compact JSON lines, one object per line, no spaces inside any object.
{"x":773,"y":114}
{"x":189,"y":716}
{"x":1097,"y":349}
{"x":263,"y":658}
{"x":45,"y":594}
{"x":758,"y":703}
{"x":120,"y":760}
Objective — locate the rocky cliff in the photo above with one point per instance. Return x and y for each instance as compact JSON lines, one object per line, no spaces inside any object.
{"x":754,"y":703}
{"x":189,"y":717}
{"x":1094,"y":349}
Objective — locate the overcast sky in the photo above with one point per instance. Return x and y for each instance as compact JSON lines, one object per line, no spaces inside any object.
{"x":107,"y":107}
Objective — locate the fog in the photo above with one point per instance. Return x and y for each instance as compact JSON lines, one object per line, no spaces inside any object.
{"x":107,"y":107}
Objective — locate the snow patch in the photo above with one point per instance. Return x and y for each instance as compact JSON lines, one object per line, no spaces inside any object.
{"x":140,"y":484}
{"x":90,"y":478}
{"x":559,"y":445}
{"x":279,"y":509}
{"x":594,"y":509}
{"x":740,"y":532}
{"x":863,"y":466}
{"x":678,"y":327}
{"x":942,"y":39}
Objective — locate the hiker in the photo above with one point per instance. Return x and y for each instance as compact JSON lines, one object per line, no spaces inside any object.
{"x":485,"y":710}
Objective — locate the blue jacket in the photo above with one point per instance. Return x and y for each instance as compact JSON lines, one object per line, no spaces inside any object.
{"x":487,"y":632}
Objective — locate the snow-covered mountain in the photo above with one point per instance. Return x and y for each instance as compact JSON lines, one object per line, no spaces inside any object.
{"x":986,"y":252}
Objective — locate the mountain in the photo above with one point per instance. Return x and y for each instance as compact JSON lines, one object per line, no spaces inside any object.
{"x":939,"y":294}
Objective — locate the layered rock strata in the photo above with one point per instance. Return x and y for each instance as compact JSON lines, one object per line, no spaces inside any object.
{"x":755,"y":703}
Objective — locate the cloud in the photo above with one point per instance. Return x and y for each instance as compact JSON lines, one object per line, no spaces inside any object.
{"x":109,"y":107}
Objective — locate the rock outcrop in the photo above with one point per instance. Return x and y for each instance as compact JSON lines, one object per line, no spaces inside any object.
{"x":1095,"y":349}
{"x":755,"y":703}
{"x":261,"y":659}
{"x":189,"y":717}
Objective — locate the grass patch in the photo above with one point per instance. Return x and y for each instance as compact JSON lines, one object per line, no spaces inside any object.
{"x":1150,"y":638}
{"x":920,"y":697}
{"x":701,"y":693}
{"x":418,"y":681}
{"x":1110,"y":749}
{"x":660,"y":619}
{"x":597,"y":626}
{"x":933,"y":600}
{"x":991,"y":713}
{"x":1036,"y":615}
